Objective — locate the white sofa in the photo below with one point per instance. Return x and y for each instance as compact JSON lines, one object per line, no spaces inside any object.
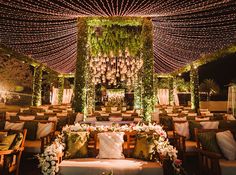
{"x":93,"y":166}
{"x":96,"y":166}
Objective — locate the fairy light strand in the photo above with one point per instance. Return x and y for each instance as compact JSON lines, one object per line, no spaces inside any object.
{"x":184,"y":30}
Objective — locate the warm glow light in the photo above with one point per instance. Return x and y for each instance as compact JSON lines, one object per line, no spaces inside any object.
{"x":111,"y":69}
{"x":183,"y":30}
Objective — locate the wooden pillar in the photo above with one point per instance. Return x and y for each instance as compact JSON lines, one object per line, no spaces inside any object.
{"x":194,"y":88}
{"x":37,"y":86}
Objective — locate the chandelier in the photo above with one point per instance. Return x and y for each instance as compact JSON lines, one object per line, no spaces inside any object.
{"x":110,"y":69}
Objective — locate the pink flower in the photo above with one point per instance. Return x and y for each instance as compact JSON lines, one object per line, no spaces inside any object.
{"x":178,"y":162}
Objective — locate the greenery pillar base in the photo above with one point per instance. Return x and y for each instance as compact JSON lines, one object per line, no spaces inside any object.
{"x":138,"y":92}
{"x":61,"y":81}
{"x":194,"y":88}
{"x":37,"y":86}
{"x":171,"y":90}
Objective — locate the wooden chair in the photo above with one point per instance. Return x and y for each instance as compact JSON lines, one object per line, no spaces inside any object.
{"x":209,"y":162}
{"x":43,"y":141}
{"x":10,"y":159}
{"x":185,"y":147}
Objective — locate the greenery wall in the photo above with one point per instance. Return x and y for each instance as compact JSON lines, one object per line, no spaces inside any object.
{"x":37,"y":86}
{"x":79,"y":103}
{"x":148,"y":68}
{"x":117,"y":33}
{"x":194,"y":88}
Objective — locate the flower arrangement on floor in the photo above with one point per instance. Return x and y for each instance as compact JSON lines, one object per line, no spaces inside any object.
{"x":48,"y":161}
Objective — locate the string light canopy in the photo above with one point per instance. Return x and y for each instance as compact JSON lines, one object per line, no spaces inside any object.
{"x":183,"y":30}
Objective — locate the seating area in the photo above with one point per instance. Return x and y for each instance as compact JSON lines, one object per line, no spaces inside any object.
{"x":217,"y":154}
{"x":117,"y":87}
{"x":98,"y":165}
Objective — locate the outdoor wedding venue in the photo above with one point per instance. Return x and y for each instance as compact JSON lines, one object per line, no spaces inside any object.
{"x":117,"y":87}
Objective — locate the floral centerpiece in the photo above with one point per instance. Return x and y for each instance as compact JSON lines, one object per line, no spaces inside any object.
{"x":48,"y":161}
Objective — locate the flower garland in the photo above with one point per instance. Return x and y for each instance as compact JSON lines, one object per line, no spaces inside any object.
{"x":48,"y":161}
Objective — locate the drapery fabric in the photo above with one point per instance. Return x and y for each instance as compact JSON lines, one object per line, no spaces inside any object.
{"x":163,"y":97}
{"x":176,"y":98}
{"x":67,"y":95}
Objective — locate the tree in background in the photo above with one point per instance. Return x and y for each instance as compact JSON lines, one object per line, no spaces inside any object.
{"x":182,"y":85}
{"x":210,"y":87}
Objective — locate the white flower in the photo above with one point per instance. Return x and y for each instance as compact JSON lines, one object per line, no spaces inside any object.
{"x":53,"y":162}
{"x":49,"y":171}
{"x":47,"y":158}
{"x":57,"y":169}
{"x":53,"y":168}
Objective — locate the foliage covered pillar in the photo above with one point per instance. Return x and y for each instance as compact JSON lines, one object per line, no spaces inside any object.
{"x":148,"y":68}
{"x":79,"y":102}
{"x":171,"y":90}
{"x":37,"y":86}
{"x":155,"y":88}
{"x":138,"y":91}
{"x":90,"y":93}
{"x":61,"y":82}
{"x":194,"y":88}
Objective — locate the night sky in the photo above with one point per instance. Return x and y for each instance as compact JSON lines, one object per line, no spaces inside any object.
{"x":222,"y":71}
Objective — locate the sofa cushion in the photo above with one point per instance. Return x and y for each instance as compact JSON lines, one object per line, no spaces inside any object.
{"x":176,"y":119}
{"x":210,"y":125}
{"x":182,"y":129}
{"x":17,"y":141}
{"x":192,"y":126}
{"x":227,"y":144}
{"x":28,"y":117}
{"x":14,"y":126}
{"x":227,"y":167}
{"x":7,"y":142}
{"x":31,"y":127}
{"x":208,"y":141}
{"x":44,"y":129}
{"x":77,"y":144}
{"x":115,"y":119}
{"x":91,"y":119}
{"x":143,"y":147}
{"x":202,"y":118}
{"x":32,"y":146}
{"x":110,"y":145}
{"x":93,"y":166}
